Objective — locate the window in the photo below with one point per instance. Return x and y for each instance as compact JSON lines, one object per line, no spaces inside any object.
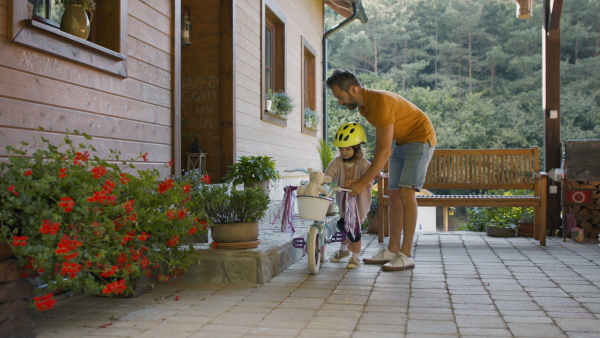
{"x":273,"y":57}
{"x":40,"y":29}
{"x":309,"y":97}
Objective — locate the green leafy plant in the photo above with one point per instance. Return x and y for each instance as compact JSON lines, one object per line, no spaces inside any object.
{"x":250,"y":169}
{"x":283,"y":103}
{"x":222,"y":203}
{"x":88,"y":5}
{"x":326,"y":153}
{"x":82,"y":222}
{"x":506,"y":217}
{"x":374,"y":209}
{"x":311,"y":118}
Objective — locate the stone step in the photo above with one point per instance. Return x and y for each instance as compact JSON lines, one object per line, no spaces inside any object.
{"x":252,"y":266}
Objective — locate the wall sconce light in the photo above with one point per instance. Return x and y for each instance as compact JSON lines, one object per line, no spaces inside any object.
{"x":524,"y":9}
{"x":196,"y":157}
{"x":186,"y":27}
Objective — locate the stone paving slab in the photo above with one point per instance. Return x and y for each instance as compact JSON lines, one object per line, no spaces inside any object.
{"x":429,"y":301}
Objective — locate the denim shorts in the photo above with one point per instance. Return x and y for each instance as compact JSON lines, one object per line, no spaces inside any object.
{"x":408,"y":165}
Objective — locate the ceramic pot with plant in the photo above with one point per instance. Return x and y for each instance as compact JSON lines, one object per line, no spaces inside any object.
{"x":77,"y":17}
{"x":373,"y":214}
{"x":253,"y":171}
{"x":525,"y":225}
{"x":235,"y":214}
{"x":282,"y":103}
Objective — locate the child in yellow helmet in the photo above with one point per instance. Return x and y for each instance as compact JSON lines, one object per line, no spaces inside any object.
{"x":344,"y":169}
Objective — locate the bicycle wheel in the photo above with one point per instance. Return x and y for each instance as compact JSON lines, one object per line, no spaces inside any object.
{"x":314,"y":250}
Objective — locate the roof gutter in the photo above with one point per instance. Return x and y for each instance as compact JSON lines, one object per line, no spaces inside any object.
{"x":358,"y":12}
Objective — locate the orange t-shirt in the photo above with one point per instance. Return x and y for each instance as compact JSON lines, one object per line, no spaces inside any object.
{"x":410,"y":123}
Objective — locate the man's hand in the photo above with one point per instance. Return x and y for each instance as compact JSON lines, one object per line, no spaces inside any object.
{"x":357,"y":187}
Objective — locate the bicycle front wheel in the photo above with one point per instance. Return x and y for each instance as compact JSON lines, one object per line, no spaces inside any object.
{"x":314,"y":250}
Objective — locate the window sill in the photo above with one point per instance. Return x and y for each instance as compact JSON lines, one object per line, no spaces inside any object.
{"x":309,"y":131}
{"x":52,"y":40}
{"x":274,"y":118}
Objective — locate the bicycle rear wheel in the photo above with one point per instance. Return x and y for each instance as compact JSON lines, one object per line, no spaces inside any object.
{"x":314,"y":250}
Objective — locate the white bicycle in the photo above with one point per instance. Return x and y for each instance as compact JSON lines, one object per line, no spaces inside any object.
{"x":319,"y":233}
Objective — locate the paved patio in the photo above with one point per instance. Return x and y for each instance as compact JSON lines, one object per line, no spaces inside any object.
{"x":464,"y":285}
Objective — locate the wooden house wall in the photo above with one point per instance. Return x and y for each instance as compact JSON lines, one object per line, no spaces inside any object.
{"x":132,"y":114}
{"x":287,"y":145}
{"x":201,"y":84}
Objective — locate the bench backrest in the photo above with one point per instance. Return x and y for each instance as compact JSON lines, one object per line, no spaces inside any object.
{"x":483,"y":169}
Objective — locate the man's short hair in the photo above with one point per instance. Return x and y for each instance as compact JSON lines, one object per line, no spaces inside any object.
{"x":343,"y":79}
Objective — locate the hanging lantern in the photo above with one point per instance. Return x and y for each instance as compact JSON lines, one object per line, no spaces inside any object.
{"x":524,"y":9}
{"x":186,"y":27}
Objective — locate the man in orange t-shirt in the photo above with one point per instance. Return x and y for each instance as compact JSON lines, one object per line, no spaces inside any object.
{"x":399,"y":121}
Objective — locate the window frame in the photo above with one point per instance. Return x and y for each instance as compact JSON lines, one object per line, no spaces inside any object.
{"x":273,"y":19}
{"x":108,"y":55}
{"x":309,"y":82}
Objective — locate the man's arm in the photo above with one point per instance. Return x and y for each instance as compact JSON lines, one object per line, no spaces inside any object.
{"x":383,"y":151}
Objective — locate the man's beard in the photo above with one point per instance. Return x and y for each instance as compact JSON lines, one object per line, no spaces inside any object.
{"x":351,"y":106}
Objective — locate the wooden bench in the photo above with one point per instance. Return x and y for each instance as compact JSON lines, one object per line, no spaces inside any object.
{"x":479,"y":169}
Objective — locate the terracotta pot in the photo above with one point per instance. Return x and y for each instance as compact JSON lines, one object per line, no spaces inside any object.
{"x":234,"y":232}
{"x":75,"y":21}
{"x":373,"y":224}
{"x":500,"y":232}
{"x":525,"y":229}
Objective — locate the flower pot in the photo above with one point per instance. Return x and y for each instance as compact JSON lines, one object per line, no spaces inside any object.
{"x":500,"y":231}
{"x":75,"y":21}
{"x":525,"y":229}
{"x":234,"y":232}
{"x":264,"y":185}
{"x":373,"y":224}
{"x":268,"y":105}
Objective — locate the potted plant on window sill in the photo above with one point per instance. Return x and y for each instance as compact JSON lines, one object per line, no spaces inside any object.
{"x":253,"y":171}
{"x":311,"y":119}
{"x":235,"y":214}
{"x":77,"y":17}
{"x":282,"y":104}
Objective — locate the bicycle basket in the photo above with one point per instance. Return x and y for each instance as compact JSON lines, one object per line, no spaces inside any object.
{"x":314,"y":208}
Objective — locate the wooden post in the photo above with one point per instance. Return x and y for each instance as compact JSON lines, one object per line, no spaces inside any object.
{"x":551,"y":102}
{"x":228,"y":92}
{"x":445,"y":219}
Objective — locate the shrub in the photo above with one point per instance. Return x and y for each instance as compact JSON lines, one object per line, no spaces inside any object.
{"x":222,"y":203}
{"x":85,"y":223}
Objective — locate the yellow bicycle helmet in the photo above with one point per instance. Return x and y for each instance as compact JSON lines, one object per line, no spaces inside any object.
{"x":349,"y":134}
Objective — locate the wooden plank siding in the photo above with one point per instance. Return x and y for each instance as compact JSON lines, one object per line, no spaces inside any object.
{"x":288,"y":145}
{"x":132,"y":114}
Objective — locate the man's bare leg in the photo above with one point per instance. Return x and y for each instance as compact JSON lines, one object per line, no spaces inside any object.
{"x":409,"y":218}
{"x":395,"y":218}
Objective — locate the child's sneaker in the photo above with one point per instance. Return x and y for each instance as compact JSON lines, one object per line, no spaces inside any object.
{"x":399,"y":262}
{"x":382,"y":257}
{"x":339,"y":255}
{"x":353,"y":263}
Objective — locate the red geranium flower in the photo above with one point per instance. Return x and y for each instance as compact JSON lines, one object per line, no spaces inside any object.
{"x":99,"y":171}
{"x":145,"y":157}
{"x":28,"y":173}
{"x":49,"y":228}
{"x":192,"y":231}
{"x":62,"y":173}
{"x":143,"y":236}
{"x":173,"y":241}
{"x":116,"y":287}
{"x":214,"y":245}
{"x":66,"y":203}
{"x":206,"y":178}
{"x":11,"y":188}
{"x":44,"y":302}
{"x":81,"y":157}
{"x":19,"y":241}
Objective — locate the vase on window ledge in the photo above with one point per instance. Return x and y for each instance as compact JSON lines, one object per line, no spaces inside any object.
{"x":75,"y":21}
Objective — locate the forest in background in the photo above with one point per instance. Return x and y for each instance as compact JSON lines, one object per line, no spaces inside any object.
{"x":472,"y":67}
